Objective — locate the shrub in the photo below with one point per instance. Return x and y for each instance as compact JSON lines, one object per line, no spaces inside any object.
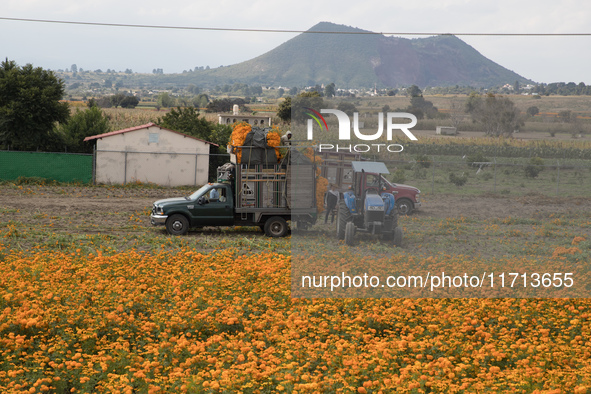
{"x":399,"y":176}
{"x":476,"y":158}
{"x":487,"y":176}
{"x":423,"y":160}
{"x":420,"y":173}
{"x":535,"y":166}
{"x":458,"y":180}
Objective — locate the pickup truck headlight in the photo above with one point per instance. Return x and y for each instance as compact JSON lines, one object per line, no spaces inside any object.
{"x":158,"y":210}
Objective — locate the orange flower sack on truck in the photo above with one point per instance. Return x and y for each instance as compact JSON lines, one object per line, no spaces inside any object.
{"x":273,"y":141}
{"x":240,"y":130}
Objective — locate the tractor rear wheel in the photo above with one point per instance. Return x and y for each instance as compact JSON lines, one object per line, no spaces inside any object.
{"x":343,"y":217}
{"x":350,"y":234}
{"x":394,"y":219}
{"x":397,"y":237}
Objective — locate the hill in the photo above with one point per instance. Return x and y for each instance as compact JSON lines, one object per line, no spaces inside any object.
{"x":364,"y":60}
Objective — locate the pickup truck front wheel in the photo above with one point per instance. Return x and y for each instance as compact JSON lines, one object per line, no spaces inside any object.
{"x":276,"y":227}
{"x":405,"y":206}
{"x":177,"y":224}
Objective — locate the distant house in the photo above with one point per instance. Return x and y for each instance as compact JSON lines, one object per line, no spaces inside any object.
{"x":236,"y":117}
{"x":150,"y":153}
{"x":253,"y":120}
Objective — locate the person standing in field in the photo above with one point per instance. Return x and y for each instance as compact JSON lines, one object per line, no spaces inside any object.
{"x":332,"y":199}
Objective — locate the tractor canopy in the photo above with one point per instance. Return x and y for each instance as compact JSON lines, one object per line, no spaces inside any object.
{"x":375,"y":167}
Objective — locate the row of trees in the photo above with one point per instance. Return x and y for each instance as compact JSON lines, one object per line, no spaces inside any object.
{"x":563,"y":89}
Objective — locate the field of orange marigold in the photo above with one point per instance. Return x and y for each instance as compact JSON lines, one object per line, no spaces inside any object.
{"x":224,"y":321}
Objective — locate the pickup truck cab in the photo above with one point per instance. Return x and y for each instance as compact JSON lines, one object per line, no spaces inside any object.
{"x":407,"y":197}
{"x":211,"y":205}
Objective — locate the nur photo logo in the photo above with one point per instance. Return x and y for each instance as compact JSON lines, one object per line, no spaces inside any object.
{"x":345,"y":126}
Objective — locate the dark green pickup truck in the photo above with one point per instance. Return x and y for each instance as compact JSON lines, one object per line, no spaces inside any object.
{"x":246,"y":196}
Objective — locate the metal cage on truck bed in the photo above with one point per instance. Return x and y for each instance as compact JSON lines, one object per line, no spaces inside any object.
{"x":287,"y":189}
{"x":261,"y":186}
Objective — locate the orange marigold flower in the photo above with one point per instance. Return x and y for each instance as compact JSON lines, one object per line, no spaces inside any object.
{"x":578,"y":240}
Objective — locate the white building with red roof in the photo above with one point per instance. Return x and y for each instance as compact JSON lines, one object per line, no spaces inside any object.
{"x":150,"y":154}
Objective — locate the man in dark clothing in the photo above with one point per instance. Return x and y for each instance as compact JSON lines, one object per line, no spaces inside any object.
{"x":332,"y":198}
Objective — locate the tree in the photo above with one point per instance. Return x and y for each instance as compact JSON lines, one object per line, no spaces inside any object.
{"x":129,"y":101}
{"x":348,"y":108}
{"x":305,"y":100}
{"x":497,"y":115}
{"x":516,"y":87}
{"x":456,"y":115}
{"x":165,"y":100}
{"x":329,"y":90}
{"x":418,"y":105}
{"x":284,"y":110}
{"x":415,"y":91}
{"x":533,"y":110}
{"x":81,"y":125}
{"x":566,"y":116}
{"x":188,"y":121}
{"x":201,"y":100}
{"x":193,"y":89}
{"x":29,"y":106}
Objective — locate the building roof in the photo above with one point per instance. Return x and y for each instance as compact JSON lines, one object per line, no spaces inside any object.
{"x":144,"y":126}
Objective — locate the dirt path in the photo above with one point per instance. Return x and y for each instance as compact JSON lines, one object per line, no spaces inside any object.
{"x":109,"y":210}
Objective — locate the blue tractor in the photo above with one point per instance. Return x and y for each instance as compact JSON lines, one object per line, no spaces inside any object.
{"x":367,"y":207}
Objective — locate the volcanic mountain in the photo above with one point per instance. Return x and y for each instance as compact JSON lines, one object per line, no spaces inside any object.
{"x":352,"y":57}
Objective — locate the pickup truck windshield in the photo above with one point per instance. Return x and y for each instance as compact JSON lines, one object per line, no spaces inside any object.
{"x":194,"y":196}
{"x":387,"y":182}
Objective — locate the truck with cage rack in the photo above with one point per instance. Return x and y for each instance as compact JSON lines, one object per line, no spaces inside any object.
{"x":268,"y":195}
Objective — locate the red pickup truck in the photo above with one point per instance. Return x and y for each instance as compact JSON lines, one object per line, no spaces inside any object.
{"x":407,"y":197}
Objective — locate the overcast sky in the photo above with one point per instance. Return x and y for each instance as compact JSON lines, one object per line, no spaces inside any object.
{"x":58,"y":46}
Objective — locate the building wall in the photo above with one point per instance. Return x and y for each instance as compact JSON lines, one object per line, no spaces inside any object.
{"x":253,"y":120}
{"x":152,"y":155}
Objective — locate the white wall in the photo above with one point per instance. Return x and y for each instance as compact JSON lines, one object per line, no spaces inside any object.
{"x":153,"y":155}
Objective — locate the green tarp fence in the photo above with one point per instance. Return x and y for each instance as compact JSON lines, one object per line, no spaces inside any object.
{"x":62,"y":167}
